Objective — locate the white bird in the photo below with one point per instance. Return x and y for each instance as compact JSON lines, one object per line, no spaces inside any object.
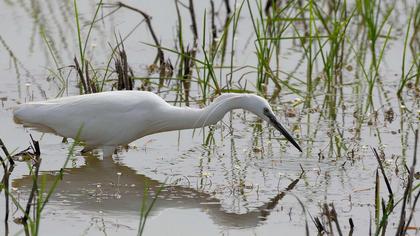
{"x":109,"y":119}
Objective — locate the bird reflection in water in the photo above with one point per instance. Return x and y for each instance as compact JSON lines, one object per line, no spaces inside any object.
{"x":107,"y":185}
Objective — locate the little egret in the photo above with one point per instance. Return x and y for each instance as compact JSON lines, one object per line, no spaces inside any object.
{"x":109,"y":119}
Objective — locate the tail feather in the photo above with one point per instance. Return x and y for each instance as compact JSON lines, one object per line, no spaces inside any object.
{"x":31,"y":116}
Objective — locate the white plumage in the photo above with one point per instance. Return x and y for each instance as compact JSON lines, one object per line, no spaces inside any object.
{"x":109,"y":119}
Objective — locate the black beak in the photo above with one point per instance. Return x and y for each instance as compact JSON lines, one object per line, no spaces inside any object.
{"x":283,"y":131}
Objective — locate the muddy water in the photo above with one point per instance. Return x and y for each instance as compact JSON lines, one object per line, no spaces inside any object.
{"x":234,"y":186}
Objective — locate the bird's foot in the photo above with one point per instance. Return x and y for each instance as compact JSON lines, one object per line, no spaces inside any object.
{"x":87,"y":149}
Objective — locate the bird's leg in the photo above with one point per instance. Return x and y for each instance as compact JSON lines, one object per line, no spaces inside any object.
{"x":108,"y":151}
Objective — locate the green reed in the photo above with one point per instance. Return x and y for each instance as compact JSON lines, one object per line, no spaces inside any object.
{"x":89,"y":84}
{"x":40,"y":194}
{"x":264,"y":48}
{"x":374,"y":23}
{"x":145,"y":208}
{"x":410,"y":74}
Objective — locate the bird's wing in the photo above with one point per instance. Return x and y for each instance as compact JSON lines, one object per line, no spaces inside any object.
{"x":99,"y":116}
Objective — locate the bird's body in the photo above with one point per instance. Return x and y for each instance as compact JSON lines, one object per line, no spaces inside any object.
{"x":109,"y":119}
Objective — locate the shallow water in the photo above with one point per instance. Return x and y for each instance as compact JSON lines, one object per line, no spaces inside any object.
{"x":232,"y":187}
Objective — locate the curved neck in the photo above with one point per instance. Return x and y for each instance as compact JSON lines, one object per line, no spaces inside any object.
{"x":190,"y":118}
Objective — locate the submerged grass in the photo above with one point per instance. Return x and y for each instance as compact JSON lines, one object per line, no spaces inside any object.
{"x":390,"y":206}
{"x":145,"y":209}
{"x":39,"y":194}
{"x":383,"y":209}
{"x":8,"y":166}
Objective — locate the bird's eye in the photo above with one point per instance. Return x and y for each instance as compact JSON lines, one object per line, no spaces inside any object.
{"x":266,"y":110}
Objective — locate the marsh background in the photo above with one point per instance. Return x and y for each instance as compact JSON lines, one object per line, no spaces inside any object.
{"x":343,"y":76}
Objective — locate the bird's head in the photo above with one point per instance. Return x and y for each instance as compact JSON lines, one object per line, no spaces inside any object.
{"x":260,"y":107}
